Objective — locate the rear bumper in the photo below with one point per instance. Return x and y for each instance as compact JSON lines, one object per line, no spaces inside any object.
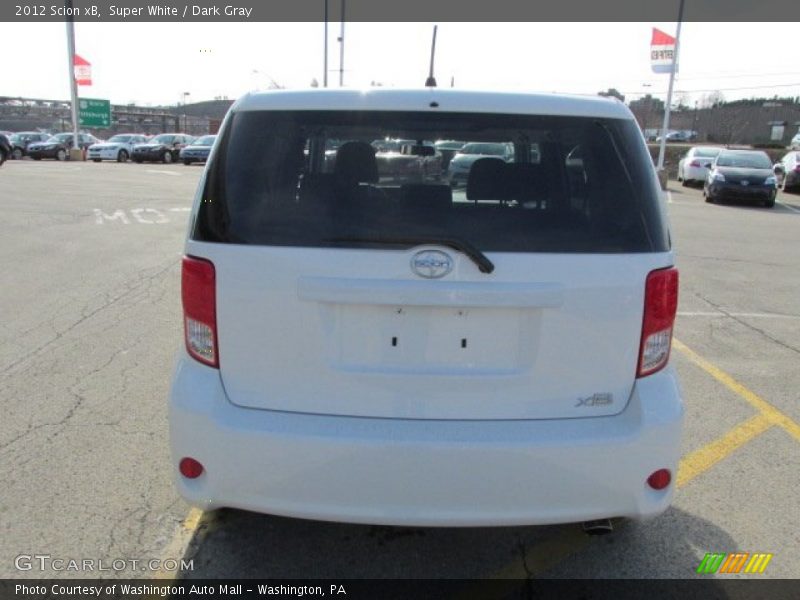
{"x":424,"y":473}
{"x":695,"y":174}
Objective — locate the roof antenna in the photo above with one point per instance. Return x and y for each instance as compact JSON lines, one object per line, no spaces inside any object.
{"x":431,"y":81}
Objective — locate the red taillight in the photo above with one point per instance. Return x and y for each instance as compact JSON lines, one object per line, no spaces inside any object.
{"x":797,"y":169}
{"x":695,"y":163}
{"x":190,"y":468}
{"x":660,"y":306}
{"x":200,"y":310}
{"x":660,"y":479}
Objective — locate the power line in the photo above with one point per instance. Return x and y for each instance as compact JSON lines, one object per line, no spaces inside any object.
{"x":754,"y":87}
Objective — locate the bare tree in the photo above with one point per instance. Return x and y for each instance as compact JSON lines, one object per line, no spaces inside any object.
{"x":711,"y":99}
{"x":613,"y":93}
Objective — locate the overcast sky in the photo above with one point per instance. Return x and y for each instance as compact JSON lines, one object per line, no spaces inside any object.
{"x":156,"y":62}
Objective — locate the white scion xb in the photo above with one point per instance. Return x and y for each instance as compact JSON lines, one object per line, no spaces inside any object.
{"x":374,"y":350}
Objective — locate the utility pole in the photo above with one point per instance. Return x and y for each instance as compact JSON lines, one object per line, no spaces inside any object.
{"x":73,"y":85}
{"x":662,"y":149}
{"x":325,"y":50}
{"x":341,"y":49}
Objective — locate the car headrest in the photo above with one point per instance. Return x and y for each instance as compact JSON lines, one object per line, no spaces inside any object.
{"x":355,"y":163}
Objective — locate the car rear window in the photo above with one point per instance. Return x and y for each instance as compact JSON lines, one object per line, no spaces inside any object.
{"x":318,"y":179}
{"x":744,"y":160}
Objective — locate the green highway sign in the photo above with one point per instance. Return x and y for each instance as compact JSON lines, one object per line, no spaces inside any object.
{"x":94,"y":113}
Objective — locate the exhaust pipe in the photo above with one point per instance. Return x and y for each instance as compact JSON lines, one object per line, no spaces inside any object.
{"x":598,"y":527}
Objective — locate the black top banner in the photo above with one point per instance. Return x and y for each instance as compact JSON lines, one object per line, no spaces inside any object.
{"x":396,"y":10}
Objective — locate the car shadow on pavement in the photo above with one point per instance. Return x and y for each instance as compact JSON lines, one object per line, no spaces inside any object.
{"x":239,"y":544}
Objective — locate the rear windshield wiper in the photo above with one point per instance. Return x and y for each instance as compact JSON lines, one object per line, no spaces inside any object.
{"x":479,"y":258}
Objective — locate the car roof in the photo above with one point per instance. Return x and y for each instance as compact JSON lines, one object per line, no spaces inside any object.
{"x":742,"y":151}
{"x":435,"y":99}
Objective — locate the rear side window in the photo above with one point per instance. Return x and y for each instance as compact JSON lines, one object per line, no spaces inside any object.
{"x":336,"y":179}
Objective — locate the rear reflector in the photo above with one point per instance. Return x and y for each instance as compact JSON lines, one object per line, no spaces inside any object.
{"x":198,"y":292}
{"x":190,"y":468}
{"x":660,"y":479}
{"x":660,"y":306}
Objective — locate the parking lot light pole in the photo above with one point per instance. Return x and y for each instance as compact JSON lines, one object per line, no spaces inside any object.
{"x":185,"y":118}
{"x":73,"y":87}
{"x":341,"y":48}
{"x":663,"y":147}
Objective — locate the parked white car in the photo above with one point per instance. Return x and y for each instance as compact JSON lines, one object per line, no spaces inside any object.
{"x":692,"y":167}
{"x":118,"y":147}
{"x":408,"y":354}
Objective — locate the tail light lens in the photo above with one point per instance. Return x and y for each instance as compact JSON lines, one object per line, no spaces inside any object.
{"x":660,"y":306}
{"x":695,"y":163}
{"x":198,"y":292}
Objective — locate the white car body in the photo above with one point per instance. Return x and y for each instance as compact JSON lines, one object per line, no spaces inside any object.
{"x":692,"y":167}
{"x":115,"y":149}
{"x":309,"y":411}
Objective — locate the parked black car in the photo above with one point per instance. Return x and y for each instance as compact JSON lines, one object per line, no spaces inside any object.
{"x":5,"y":149}
{"x":198,"y":150}
{"x":743,"y":175}
{"x":162,"y":148}
{"x":21,"y":140}
{"x":58,"y":146}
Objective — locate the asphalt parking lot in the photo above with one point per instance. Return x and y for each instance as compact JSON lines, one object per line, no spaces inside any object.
{"x":90,"y":257}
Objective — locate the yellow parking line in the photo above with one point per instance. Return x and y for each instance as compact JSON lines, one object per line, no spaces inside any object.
{"x":183,"y":538}
{"x":704,"y":458}
{"x":774,"y":416}
{"x":551,"y":552}
{"x":542,"y":556}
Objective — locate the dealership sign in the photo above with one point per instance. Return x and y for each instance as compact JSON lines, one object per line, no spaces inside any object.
{"x":83,"y":70}
{"x":662,"y":51}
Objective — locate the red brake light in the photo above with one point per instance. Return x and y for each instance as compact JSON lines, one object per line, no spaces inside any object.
{"x":660,"y":306}
{"x":190,"y":468}
{"x":660,"y":479}
{"x":198,"y":292}
{"x":695,"y":163}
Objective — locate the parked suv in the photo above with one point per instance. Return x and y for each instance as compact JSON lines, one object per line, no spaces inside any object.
{"x":400,"y":352}
{"x":5,"y":149}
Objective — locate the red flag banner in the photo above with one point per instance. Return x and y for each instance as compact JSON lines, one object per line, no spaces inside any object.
{"x":662,"y":50}
{"x":83,"y":70}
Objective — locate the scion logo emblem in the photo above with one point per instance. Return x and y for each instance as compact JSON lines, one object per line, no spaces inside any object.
{"x":431,"y":264}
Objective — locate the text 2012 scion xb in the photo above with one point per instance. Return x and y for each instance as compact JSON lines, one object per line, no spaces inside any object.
{"x":373,"y":349}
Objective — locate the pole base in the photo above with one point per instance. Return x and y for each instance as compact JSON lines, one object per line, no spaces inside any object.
{"x":662,"y":178}
{"x":75,"y":154}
